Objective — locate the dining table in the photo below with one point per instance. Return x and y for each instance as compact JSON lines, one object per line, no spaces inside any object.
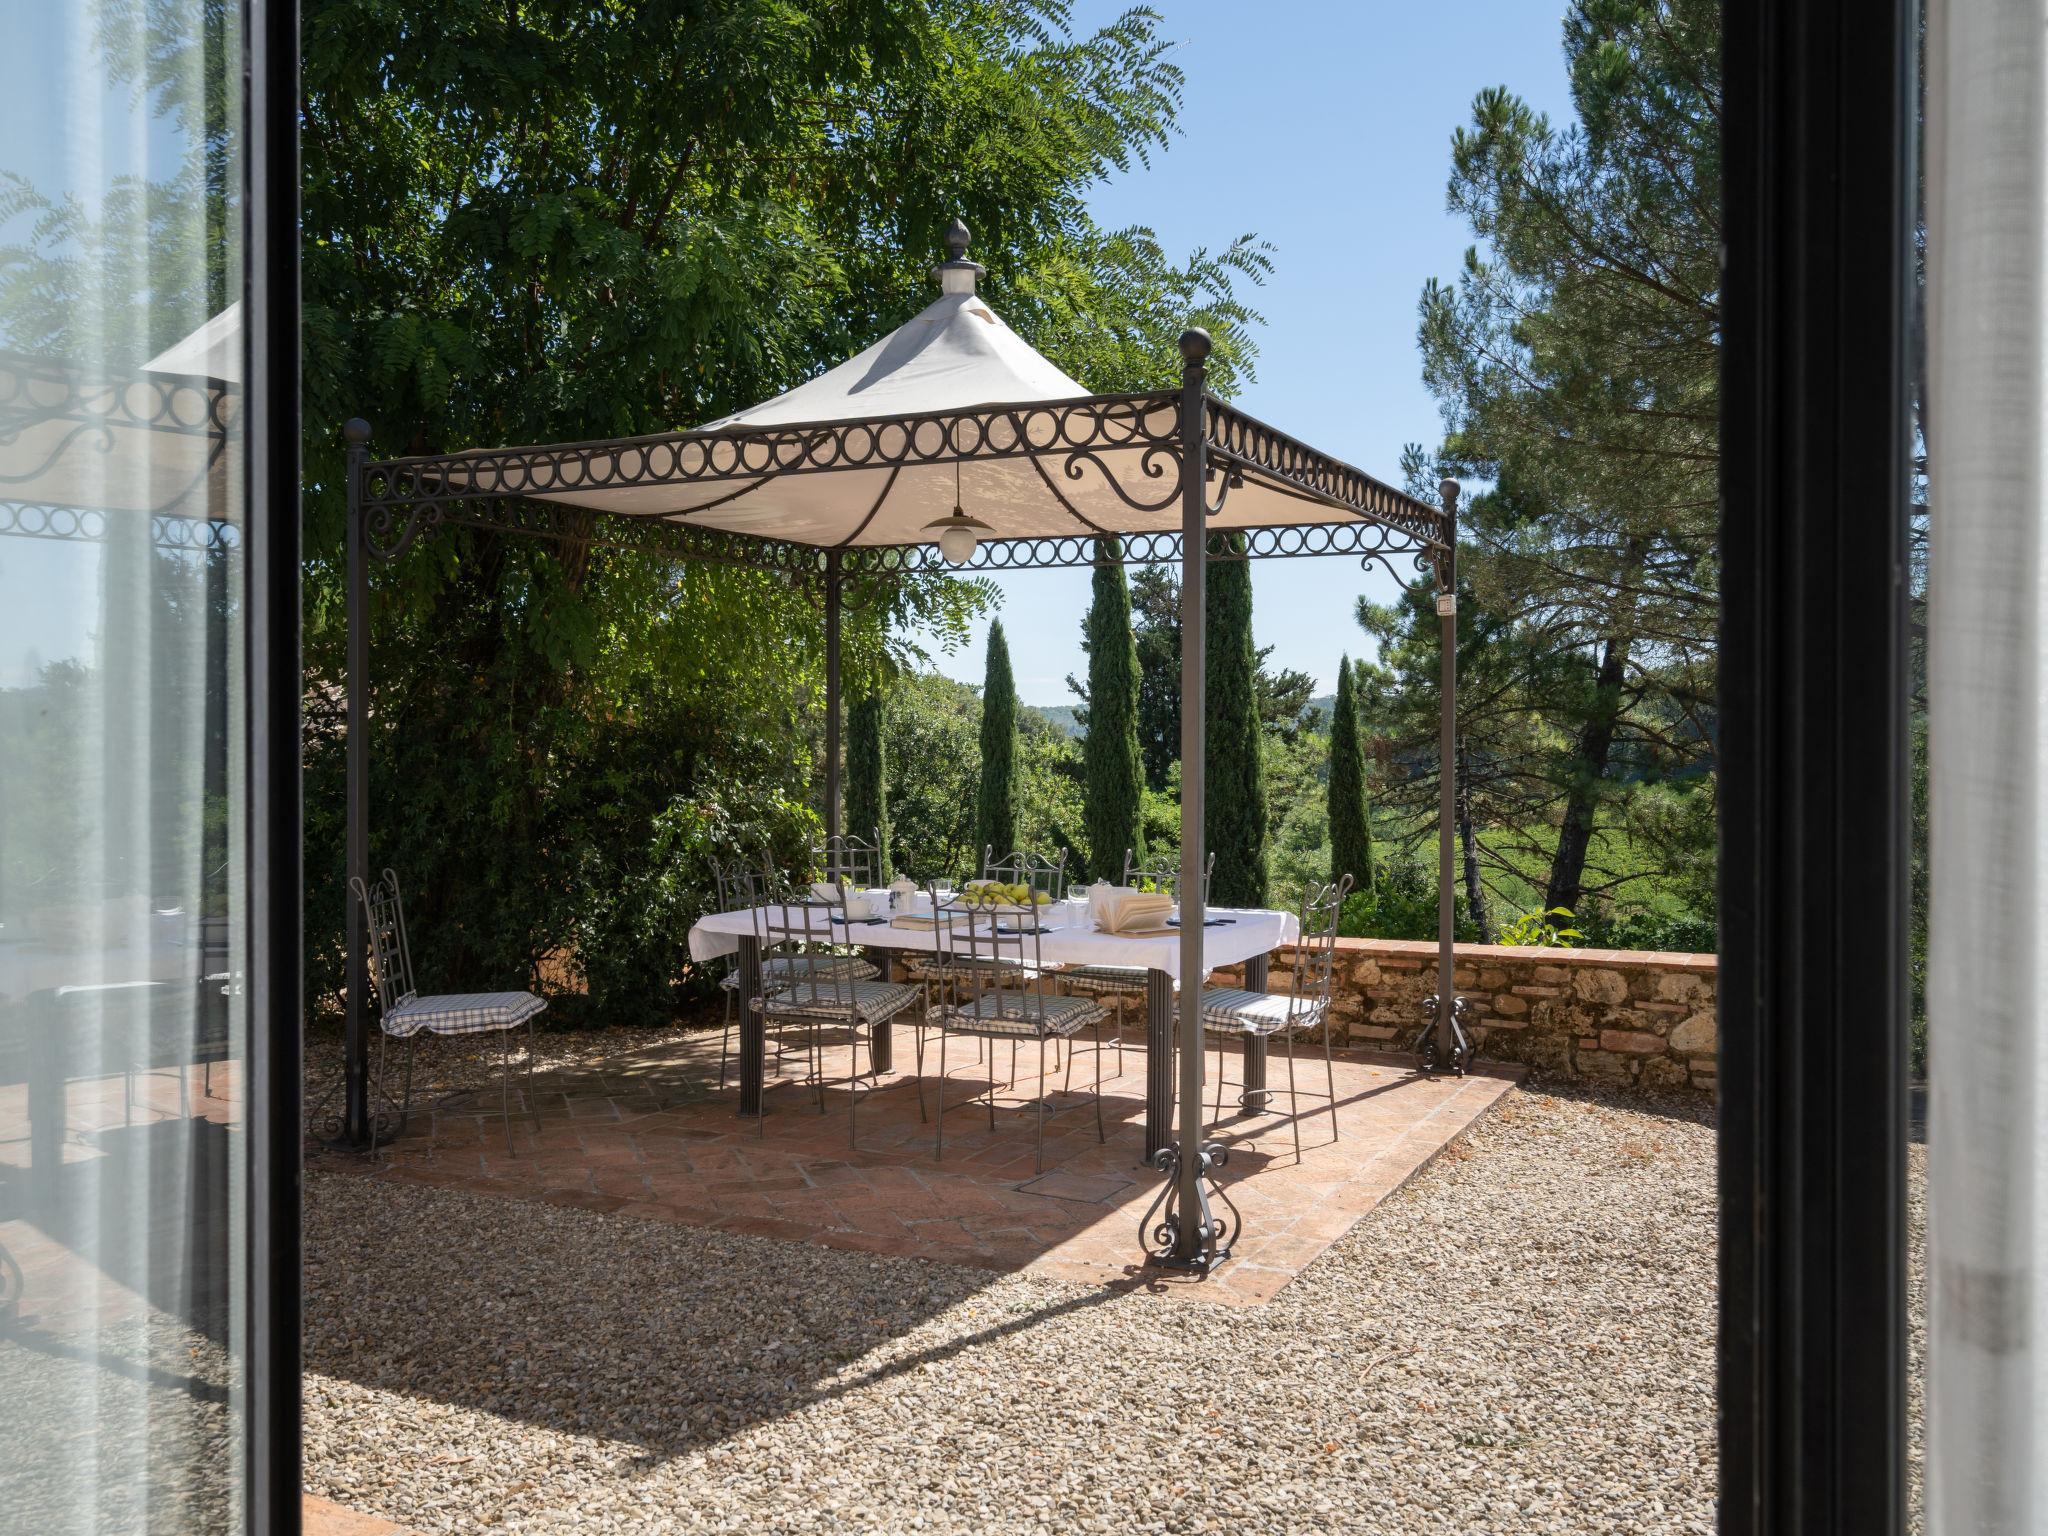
{"x":1068,"y":937}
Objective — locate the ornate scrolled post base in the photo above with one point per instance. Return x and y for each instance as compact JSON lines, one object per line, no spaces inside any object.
{"x":1160,"y":1230}
{"x":1458,"y":1059}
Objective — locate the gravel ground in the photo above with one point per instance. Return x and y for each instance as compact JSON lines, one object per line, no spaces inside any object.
{"x":118,"y":1429}
{"x":1521,"y":1341}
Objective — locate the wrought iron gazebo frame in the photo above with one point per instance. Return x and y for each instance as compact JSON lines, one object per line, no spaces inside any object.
{"x":1193,"y":450}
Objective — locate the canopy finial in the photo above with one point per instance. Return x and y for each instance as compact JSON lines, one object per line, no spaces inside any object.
{"x":958,"y":274}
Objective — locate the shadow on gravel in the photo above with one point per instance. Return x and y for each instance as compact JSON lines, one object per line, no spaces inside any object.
{"x":660,"y":1336}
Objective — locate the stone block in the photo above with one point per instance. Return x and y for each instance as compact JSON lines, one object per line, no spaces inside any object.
{"x":1550,"y":975}
{"x":1366,"y":973}
{"x":1664,"y":1072}
{"x":1509,"y":1004}
{"x":1696,"y":1036}
{"x":1600,"y":985}
{"x":1492,"y":979}
{"x":1605,"y":1067}
{"x":1683,"y":987}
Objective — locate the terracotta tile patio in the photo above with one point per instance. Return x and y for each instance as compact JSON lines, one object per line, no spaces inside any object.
{"x":650,"y":1135}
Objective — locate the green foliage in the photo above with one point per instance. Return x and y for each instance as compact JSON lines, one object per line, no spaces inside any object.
{"x":1115,"y":772}
{"x":995,"y":786}
{"x":1235,"y":798}
{"x":1297,"y":813}
{"x":867,"y":812}
{"x":1401,"y":904}
{"x":533,"y":224}
{"x":932,"y":726}
{"x":1350,"y":824}
{"x":1155,"y":637}
{"x":931,"y":732}
{"x":1535,"y":930}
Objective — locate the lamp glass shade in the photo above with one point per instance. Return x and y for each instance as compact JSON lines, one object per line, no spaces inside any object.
{"x":956,"y":543}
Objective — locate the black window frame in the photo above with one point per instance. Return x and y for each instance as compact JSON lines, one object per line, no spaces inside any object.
{"x":1818,"y":144}
{"x":272,"y":1450}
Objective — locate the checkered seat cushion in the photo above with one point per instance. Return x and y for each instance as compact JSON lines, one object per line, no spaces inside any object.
{"x":461,"y":1013}
{"x":1025,"y":1015}
{"x":783,"y":968}
{"x":871,"y":1001}
{"x":1234,"y":1011}
{"x":1105,"y":980}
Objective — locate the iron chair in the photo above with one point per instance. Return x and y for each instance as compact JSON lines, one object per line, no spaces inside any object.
{"x":1120,"y":983}
{"x":817,"y":991}
{"x":403,"y":1014}
{"x":854,"y":861}
{"x":1232,"y":1013}
{"x":1036,"y":870}
{"x":730,"y":879}
{"x":1007,"y":996}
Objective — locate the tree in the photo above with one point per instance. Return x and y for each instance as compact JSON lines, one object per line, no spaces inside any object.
{"x":1114,"y":809}
{"x":1155,"y":638}
{"x":1350,"y":822}
{"x":867,"y":812}
{"x":1235,"y":800}
{"x":1155,"y":631}
{"x":995,"y":789}
{"x":530,"y":224}
{"x":1576,"y":361}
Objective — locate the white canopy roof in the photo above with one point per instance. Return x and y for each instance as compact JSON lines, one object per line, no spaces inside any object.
{"x":951,"y":409}
{"x":214,"y":351}
{"x":954,"y":354}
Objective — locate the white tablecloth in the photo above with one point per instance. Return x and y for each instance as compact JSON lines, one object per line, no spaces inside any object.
{"x":1245,"y":933}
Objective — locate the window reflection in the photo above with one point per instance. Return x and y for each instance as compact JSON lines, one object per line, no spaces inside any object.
{"x":121,"y":1028}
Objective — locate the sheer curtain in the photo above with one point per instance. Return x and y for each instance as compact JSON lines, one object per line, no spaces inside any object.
{"x":1987,"y":435}
{"x":122,"y":1142}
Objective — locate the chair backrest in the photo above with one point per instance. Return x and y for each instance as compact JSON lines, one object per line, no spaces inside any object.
{"x":390,"y":953}
{"x":799,"y":929}
{"x":1315,"y":957}
{"x":984,"y":952}
{"x":855,"y":861}
{"x":722,"y":879}
{"x":1165,"y":878}
{"x":1036,"y":870}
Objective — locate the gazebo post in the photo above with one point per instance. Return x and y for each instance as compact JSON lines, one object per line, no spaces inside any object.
{"x":1448,"y":1050}
{"x":1194,"y":1232}
{"x":355,"y":1125}
{"x":833,"y":579}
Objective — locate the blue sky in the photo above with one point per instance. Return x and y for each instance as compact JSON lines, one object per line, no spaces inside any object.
{"x":1324,"y":126}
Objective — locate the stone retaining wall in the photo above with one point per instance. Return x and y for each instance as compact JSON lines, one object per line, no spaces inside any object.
{"x":1619,"y":1015}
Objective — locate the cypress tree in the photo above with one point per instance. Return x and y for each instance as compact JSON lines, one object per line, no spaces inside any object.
{"x":1236,"y":800}
{"x":867,"y":810}
{"x":1350,"y":826}
{"x":995,"y":800}
{"x":1112,"y":811}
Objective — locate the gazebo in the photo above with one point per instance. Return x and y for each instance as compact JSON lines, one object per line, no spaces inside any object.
{"x":948,"y":441}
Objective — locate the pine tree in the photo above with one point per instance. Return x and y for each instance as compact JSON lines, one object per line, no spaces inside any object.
{"x":1350,"y":823}
{"x":867,"y":810}
{"x":995,"y":806}
{"x":1112,"y":819}
{"x":1236,"y":799}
